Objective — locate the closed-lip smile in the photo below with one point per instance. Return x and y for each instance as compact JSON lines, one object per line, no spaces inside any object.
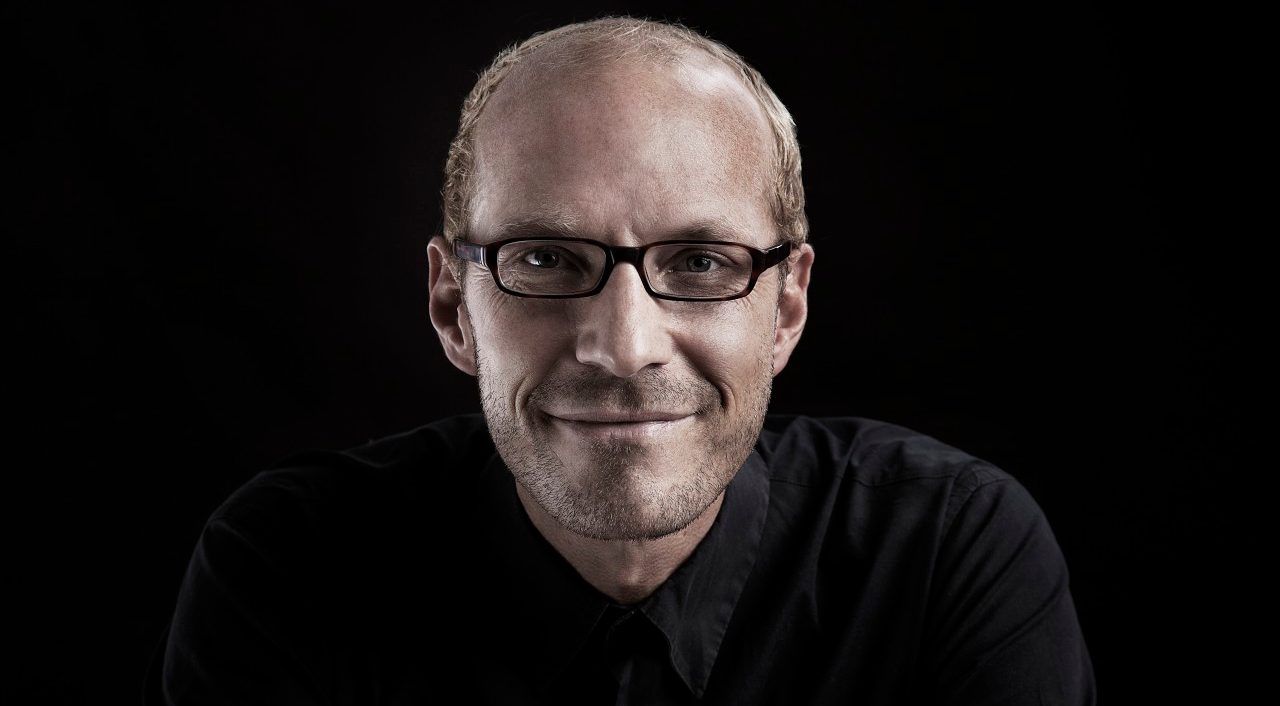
{"x":615,"y":425}
{"x":612,"y":417}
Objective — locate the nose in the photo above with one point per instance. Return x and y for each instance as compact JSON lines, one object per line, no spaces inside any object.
{"x":622,"y":329}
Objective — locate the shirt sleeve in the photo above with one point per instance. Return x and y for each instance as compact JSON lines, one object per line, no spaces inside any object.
{"x":1003,"y":627}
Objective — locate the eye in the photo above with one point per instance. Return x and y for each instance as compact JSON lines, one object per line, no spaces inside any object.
{"x":699,"y":263}
{"x":542,"y":258}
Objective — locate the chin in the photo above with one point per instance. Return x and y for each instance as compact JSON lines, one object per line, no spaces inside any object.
{"x":625,"y":519}
{"x":624,"y":498}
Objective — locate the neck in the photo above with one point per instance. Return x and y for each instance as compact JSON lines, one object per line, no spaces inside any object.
{"x":627,"y":571}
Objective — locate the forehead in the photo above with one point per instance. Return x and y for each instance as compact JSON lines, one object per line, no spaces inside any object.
{"x":633,"y":150}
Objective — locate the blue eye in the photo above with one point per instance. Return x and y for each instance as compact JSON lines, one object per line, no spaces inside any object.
{"x":699,"y":263}
{"x":542,"y":258}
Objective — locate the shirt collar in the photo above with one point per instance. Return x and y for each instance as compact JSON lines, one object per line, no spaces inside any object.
{"x":550,"y":611}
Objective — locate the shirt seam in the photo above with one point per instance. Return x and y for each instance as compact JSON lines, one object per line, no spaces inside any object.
{"x":895,"y":481}
{"x":969,"y":470}
{"x":226,"y":525}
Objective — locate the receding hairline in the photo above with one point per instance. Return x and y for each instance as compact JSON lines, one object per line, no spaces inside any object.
{"x":692,"y":85}
{"x":589,"y":54}
{"x":572,"y":55}
{"x":584,"y":45}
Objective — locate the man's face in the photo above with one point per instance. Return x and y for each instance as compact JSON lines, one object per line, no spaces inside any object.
{"x":623,"y":416}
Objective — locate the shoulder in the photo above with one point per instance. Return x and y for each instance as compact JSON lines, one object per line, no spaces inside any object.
{"x":935,"y":557}
{"x":873,"y":479}
{"x":817,"y":451}
{"x":334,"y":491}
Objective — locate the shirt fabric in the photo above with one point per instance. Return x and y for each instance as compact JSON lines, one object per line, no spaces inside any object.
{"x":852,"y":562}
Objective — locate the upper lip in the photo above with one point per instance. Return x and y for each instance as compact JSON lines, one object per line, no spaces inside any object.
{"x":610,"y":417}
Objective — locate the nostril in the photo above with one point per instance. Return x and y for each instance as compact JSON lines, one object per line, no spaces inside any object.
{"x":622,"y":329}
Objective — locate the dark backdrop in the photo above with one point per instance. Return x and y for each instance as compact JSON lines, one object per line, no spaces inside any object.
{"x":220,"y":258}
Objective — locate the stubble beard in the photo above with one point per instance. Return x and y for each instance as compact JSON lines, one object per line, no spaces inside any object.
{"x":614,"y":494}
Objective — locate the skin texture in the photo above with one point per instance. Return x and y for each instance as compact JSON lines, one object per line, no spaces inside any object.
{"x":628,"y":153}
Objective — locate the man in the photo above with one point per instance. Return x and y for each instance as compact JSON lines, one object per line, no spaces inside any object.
{"x":624,"y":268}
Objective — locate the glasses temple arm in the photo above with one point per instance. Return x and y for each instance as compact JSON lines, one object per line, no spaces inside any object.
{"x":470,"y":252}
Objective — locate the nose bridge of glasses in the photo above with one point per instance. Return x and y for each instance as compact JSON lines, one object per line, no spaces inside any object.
{"x":624,"y":255}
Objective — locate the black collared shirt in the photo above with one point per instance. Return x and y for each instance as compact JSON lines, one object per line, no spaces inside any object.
{"x":852,"y":561}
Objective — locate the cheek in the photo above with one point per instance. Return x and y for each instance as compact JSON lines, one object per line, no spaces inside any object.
{"x":731,"y":347}
{"x":519,"y":341}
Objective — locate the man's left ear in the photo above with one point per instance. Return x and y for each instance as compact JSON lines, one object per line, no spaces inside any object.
{"x":793,"y":307}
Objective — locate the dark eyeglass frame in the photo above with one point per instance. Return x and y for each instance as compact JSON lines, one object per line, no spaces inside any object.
{"x":487,"y":255}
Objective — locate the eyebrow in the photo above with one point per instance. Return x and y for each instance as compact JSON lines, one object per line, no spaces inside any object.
{"x":537,"y":226}
{"x":563,"y":226}
{"x":713,"y":229}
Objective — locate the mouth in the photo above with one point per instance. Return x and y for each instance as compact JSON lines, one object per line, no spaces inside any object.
{"x":637,"y":426}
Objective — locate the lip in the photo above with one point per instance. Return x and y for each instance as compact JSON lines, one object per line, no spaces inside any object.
{"x":630,"y":426}
{"x":610,"y":417}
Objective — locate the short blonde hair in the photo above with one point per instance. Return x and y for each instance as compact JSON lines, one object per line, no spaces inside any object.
{"x":609,"y":39}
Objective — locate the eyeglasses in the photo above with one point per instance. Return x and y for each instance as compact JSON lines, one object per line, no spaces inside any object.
{"x":682,"y":270}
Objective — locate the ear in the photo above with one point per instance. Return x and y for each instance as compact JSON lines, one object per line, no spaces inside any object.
{"x":793,"y":307}
{"x":448,"y":310}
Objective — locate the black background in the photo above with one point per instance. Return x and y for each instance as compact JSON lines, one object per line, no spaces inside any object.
{"x":220,"y":257}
